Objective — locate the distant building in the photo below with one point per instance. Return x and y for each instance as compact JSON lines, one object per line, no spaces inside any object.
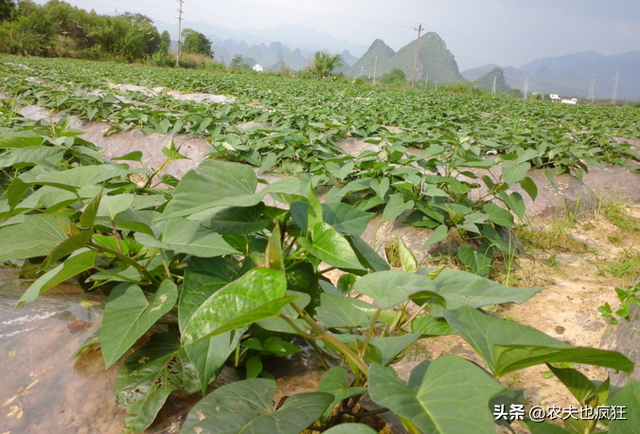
{"x":258,"y":68}
{"x":556,"y":98}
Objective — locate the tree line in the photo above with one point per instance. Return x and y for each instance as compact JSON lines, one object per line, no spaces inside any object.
{"x":58,"y":29}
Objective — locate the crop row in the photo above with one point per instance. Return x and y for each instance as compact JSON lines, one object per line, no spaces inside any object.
{"x":297,"y":126}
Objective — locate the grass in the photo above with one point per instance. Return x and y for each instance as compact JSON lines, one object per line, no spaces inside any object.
{"x":553,"y":235}
{"x":617,"y":213}
{"x":625,"y":266}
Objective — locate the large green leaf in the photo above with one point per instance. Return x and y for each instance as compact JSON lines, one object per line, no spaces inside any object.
{"x":498,"y":215}
{"x":407,"y":259}
{"x":577,"y":383}
{"x":429,"y":326}
{"x":78,"y":177}
{"x":629,"y":398}
{"x":31,"y":156}
{"x":68,"y":246}
{"x":209,"y":356}
{"x":484,"y":331}
{"x":452,"y":396}
{"x":514,"y":202}
{"x":395,"y":207}
{"x":78,"y":262}
{"x":146,"y":379}
{"x":346,"y":219}
{"x":350,"y":428}
{"x":186,"y":236}
{"x":477,"y":261}
{"x":343,"y":217}
{"x":238,"y":220}
{"x":512,"y":173}
{"x":245,"y":407}
{"x":254,"y":296}
{"x":128,"y":315}
{"x":336,"y":382}
{"x":390,"y":288}
{"x":460,"y":288}
{"x":439,"y":234}
{"x":338,"y":311}
{"x":37,"y":235}
{"x":314,"y":210}
{"x":331,"y":247}
{"x":202,"y":278}
{"x":507,"y":346}
{"x":110,"y":206}
{"x":511,"y":358}
{"x":214,"y":185}
{"x":19,"y":139}
{"x":392,"y":346}
{"x":367,"y":255}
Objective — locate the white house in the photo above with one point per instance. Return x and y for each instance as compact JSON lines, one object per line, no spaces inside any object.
{"x":258,"y":68}
{"x":572,"y":101}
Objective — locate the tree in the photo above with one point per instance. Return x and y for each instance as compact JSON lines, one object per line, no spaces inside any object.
{"x":195,"y":43}
{"x":165,"y":42}
{"x":7,"y":7}
{"x":324,"y":63}
{"x":396,"y":77}
{"x":236,"y":62}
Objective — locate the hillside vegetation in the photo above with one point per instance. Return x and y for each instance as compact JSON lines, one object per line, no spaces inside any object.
{"x":57,"y":29}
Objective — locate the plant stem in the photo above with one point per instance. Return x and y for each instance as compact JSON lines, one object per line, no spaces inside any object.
{"x":331,"y":339}
{"x":415,"y":315}
{"x":124,"y":258}
{"x":297,"y":329}
{"x":368,"y":413}
{"x":372,"y":329}
{"x":398,"y":317}
{"x":116,"y":236}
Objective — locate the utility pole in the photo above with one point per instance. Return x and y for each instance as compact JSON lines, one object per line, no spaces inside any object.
{"x":493,"y":88}
{"x":614,"y":95}
{"x":179,"y":17}
{"x":415,"y":56}
{"x":375,"y":70}
{"x":591,"y":96}
{"x":525,"y":88}
{"x":426,"y":82}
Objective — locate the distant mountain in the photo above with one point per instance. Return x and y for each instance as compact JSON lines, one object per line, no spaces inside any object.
{"x":581,"y":67}
{"x":367,"y":63}
{"x":495,"y":76}
{"x":349,"y":58}
{"x":290,"y":45}
{"x":571,"y":75}
{"x":308,"y":39}
{"x":433,"y":58}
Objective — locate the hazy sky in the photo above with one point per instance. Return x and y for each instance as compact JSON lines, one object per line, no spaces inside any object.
{"x":505,"y":32}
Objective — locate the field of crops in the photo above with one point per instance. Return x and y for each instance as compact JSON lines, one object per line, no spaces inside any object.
{"x":233,"y":270}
